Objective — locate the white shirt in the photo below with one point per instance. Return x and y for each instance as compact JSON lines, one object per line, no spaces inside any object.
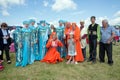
{"x":83,"y":41}
{"x":4,"y":35}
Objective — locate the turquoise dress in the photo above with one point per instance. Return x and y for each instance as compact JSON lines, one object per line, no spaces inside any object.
{"x":17,"y":40}
{"x":60,"y":34}
{"x":34,"y":48}
{"x":42,"y":39}
{"x":26,"y":46}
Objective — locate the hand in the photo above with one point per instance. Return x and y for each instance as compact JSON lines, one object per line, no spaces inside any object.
{"x":4,"y":37}
{"x":36,"y":41}
{"x":108,"y":41}
{"x":98,"y":42}
{"x":20,"y":45}
{"x":64,"y":36}
{"x":32,"y":44}
{"x":54,"y":44}
{"x":50,"y":40}
{"x":7,"y":37}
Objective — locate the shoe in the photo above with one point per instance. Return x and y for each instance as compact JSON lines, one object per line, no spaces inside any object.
{"x":85,"y":59}
{"x":89,"y":60}
{"x":8,"y":62}
{"x":102,"y":61}
{"x":110,"y":64}
{"x":93,"y":61}
{"x":76,"y":62}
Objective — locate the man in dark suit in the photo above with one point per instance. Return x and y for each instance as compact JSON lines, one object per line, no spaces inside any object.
{"x":4,"y":42}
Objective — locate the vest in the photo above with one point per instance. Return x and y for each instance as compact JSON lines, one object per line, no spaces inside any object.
{"x":92,"y":31}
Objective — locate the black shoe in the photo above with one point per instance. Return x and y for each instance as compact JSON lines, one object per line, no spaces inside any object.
{"x":102,"y":61}
{"x":93,"y":61}
{"x":8,"y":62}
{"x":89,"y":60}
{"x":110,"y":64}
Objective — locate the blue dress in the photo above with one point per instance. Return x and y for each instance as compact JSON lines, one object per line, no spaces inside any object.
{"x":18,"y":50}
{"x":26,"y":46}
{"x":42,"y":39}
{"x":34,"y":48}
{"x":60,"y":34}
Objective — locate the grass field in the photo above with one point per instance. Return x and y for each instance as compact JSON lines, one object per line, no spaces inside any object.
{"x":62,"y":71}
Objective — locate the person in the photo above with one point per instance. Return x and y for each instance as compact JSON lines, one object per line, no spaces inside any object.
{"x":1,"y":66}
{"x":107,"y":35}
{"x":26,"y":44}
{"x":79,"y":56}
{"x":67,"y":31}
{"x":116,"y":38}
{"x":60,"y":34}
{"x":83,"y":36}
{"x":52,"y":55}
{"x":71,"y":49}
{"x":94,"y":38}
{"x":51,"y":30}
{"x":4,"y":42}
{"x":34,"y":41}
{"x":42,"y":38}
{"x":17,"y":38}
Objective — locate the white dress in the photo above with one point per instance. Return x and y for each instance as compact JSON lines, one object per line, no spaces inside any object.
{"x":71,"y":47}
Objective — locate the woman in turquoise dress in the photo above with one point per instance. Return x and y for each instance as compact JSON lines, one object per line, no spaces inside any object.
{"x":42,"y":38}
{"x":34,"y":41}
{"x":26,"y":44}
{"x":18,"y":50}
{"x":60,"y":34}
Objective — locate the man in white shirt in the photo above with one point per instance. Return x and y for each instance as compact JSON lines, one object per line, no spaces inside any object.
{"x":4,"y":42}
{"x":83,"y":37}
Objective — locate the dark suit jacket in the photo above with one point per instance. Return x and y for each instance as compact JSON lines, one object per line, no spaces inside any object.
{"x":1,"y":39}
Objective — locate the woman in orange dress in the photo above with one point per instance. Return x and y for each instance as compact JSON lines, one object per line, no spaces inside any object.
{"x":76,"y":31}
{"x":67,"y":31}
{"x":52,"y":55}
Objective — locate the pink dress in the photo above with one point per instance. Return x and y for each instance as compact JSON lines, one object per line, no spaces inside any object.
{"x":12,"y":49}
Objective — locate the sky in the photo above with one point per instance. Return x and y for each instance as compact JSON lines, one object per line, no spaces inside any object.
{"x":14,"y":12}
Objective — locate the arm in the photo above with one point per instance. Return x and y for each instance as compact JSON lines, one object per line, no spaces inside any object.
{"x":60,"y":43}
{"x":98,"y":33}
{"x":48,"y":45}
{"x":112,"y":35}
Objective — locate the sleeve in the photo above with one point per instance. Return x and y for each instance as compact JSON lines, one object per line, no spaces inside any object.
{"x":60,"y":44}
{"x":98,"y":33}
{"x":88,"y":32}
{"x":113,"y":30}
{"x":48,"y":44}
{"x":1,"y":37}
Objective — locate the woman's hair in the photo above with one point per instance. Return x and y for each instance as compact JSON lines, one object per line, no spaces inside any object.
{"x":4,"y":25}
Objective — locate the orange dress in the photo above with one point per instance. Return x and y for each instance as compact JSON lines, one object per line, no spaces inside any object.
{"x":52,"y":55}
{"x":79,"y":56}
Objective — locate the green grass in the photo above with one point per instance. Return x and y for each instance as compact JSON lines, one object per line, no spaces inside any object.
{"x":62,"y":71}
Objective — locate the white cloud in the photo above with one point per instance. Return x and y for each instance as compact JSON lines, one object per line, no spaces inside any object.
{"x":5,"y":4}
{"x":117,"y":14}
{"x":5,"y":12}
{"x":115,"y":21}
{"x":60,"y":5}
{"x":45,"y":3}
{"x":78,"y":13}
{"x":32,"y":18}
